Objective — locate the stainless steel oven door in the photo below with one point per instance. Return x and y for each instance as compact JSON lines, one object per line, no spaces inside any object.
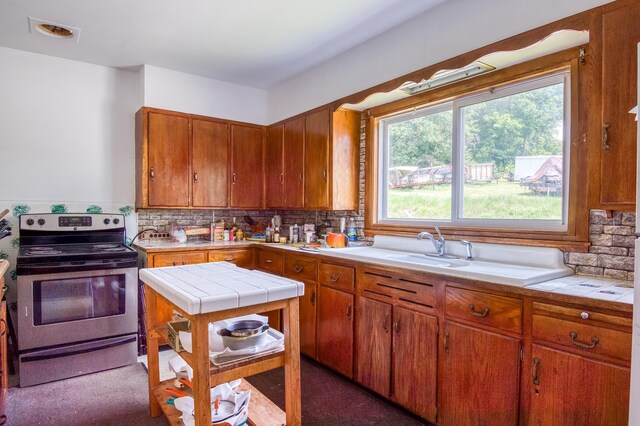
{"x":67,"y":307}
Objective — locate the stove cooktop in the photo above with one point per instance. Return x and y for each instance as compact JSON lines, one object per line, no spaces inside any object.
{"x":71,"y":252}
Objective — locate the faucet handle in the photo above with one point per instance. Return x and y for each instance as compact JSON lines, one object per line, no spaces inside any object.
{"x":440,"y":237}
{"x":469,"y":247}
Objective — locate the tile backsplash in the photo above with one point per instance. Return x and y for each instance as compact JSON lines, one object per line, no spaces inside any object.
{"x":611,"y":254}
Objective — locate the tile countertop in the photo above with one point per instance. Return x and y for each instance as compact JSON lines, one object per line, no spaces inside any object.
{"x":590,"y":287}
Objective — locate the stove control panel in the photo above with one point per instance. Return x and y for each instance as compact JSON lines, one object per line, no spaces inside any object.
{"x":71,"y":221}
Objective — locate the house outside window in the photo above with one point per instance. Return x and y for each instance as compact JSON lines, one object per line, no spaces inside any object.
{"x":498,"y":158}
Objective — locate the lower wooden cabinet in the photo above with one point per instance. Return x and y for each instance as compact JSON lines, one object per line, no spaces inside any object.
{"x":308,"y":316}
{"x":397,"y":355}
{"x":568,"y":389}
{"x":480,"y":377}
{"x":178,"y":258}
{"x":373,"y":345}
{"x":335,"y":329}
{"x":415,"y":362}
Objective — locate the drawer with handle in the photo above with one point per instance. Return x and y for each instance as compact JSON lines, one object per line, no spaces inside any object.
{"x":178,"y":259}
{"x":501,"y":312}
{"x":269,"y":261}
{"x":582,"y":337}
{"x":299,"y":267}
{"x":241,"y":258}
{"x":342,"y":277}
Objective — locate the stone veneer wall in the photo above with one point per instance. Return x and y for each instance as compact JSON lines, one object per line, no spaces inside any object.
{"x":612,"y":250}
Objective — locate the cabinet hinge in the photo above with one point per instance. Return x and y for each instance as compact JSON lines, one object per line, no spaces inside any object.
{"x":582,"y":56}
{"x":521,"y":355}
{"x":437,"y":414}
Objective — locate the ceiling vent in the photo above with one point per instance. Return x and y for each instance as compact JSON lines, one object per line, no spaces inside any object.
{"x":51,"y":29}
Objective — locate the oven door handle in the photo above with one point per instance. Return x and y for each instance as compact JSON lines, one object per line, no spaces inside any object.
{"x":116,"y":264}
{"x":81,"y":348}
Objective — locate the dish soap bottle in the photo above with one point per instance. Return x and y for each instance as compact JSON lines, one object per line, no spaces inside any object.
{"x":352,"y":232}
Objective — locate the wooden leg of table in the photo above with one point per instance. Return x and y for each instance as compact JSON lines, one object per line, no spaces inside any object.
{"x":153,"y":362}
{"x":292,"y":363}
{"x":201,"y":376}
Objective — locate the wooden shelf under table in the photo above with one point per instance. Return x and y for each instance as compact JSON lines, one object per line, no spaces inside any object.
{"x":231,"y":371}
{"x":262,"y":412}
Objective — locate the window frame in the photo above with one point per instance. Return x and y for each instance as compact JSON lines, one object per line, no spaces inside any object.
{"x":575,"y":236}
{"x":456,"y":217}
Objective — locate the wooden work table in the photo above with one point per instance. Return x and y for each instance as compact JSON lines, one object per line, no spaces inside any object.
{"x":201,"y":293}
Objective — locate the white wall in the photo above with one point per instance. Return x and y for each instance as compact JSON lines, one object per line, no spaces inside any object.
{"x":450,"y":29}
{"x":178,"y":91}
{"x":66,"y":130}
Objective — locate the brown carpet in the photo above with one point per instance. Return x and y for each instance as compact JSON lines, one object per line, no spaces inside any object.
{"x":330,"y":399}
{"x":114,"y":397}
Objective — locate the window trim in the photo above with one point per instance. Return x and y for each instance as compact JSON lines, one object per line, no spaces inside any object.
{"x":576,"y":237}
{"x":457,"y":156}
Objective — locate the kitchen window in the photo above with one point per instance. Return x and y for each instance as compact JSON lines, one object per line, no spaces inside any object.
{"x":495,"y":159}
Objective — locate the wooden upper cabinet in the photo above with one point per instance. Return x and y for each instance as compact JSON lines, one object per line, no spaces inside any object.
{"x":293,"y":163}
{"x":273,"y":161}
{"x":246,"y":166}
{"x":620,"y":35}
{"x":210,"y":163}
{"x":316,"y":160}
{"x":167,"y":157}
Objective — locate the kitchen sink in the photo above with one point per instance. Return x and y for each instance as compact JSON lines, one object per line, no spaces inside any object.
{"x":431,"y":261}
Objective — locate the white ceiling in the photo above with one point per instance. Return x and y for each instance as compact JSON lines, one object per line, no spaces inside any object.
{"x":256,"y":43}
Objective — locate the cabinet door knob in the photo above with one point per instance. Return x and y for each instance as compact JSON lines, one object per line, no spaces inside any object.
{"x":605,"y":135}
{"x":324,"y":174}
{"x":313,"y":297}
{"x":536,"y":365}
{"x":195,"y":177}
{"x":184,"y":262}
{"x":230,"y":259}
{"x":385,"y":323}
{"x":396,"y":327}
{"x":334,"y":277}
{"x":152,"y":174}
{"x":472,"y":311}
{"x":298,"y":268}
{"x":281,"y":177}
{"x":233,"y":178}
{"x":174,"y":263}
{"x":4,"y":327}
{"x":445,"y":341}
{"x":349,"y":309}
{"x":268,"y":261}
{"x":574,"y":339}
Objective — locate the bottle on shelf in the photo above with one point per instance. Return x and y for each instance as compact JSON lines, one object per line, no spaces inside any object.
{"x":352,"y":231}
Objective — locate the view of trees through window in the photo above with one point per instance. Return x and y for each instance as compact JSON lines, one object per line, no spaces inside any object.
{"x":511,"y":149}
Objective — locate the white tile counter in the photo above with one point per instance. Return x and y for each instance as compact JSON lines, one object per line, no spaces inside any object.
{"x":211,"y":287}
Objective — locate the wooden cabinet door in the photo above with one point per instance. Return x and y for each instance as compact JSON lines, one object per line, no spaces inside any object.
{"x":335,"y":330}
{"x":308,"y":319}
{"x":240,"y":257}
{"x":373,"y":345}
{"x":273,"y":161}
{"x":316,"y":160}
{"x":620,"y":36}
{"x":178,"y":259}
{"x":246,"y":167}
{"x":169,"y":175}
{"x":415,"y":361}
{"x":573,"y":390}
{"x":480,"y":377}
{"x":210,"y":163}
{"x":294,"y":161}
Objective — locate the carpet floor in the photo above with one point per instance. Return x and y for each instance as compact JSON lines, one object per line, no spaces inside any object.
{"x":119,"y":397}
{"x":330,"y":399}
{"x":114,"y":397}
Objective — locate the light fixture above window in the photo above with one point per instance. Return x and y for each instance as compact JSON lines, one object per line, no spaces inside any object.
{"x":444,"y":77}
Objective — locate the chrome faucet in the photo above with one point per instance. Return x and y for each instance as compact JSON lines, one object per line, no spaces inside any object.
{"x":438,"y":244}
{"x":469,"y":247}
